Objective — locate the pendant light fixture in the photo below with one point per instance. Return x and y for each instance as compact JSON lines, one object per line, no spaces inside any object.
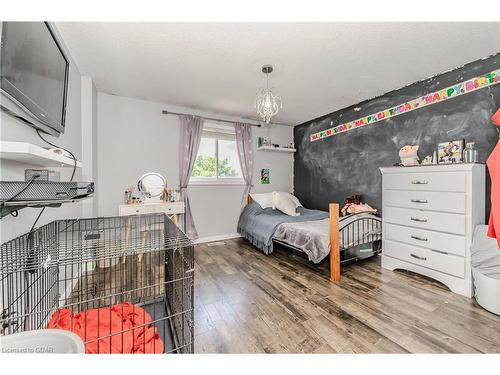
{"x":267,"y":103}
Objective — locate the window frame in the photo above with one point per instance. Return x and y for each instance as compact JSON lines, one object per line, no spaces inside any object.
{"x":219,"y":132}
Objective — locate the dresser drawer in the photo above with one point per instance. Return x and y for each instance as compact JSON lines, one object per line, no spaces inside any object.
{"x":171,"y":208}
{"x":437,"y":181}
{"x":448,"y":264}
{"x":448,"y":243}
{"x":133,"y":209}
{"x":438,"y":221}
{"x":426,"y":200}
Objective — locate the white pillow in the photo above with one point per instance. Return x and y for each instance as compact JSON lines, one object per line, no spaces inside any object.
{"x":292,"y":197}
{"x":284,"y":204}
{"x":265,"y":200}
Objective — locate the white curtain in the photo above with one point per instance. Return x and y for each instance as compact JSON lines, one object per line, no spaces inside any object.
{"x":189,"y":142}
{"x":245,"y":154}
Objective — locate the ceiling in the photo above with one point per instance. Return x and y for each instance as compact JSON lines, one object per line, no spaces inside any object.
{"x":319,"y":67}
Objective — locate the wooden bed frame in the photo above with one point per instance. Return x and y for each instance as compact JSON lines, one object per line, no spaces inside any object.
{"x":334,"y":240}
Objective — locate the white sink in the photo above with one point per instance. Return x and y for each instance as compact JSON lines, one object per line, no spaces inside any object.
{"x":42,"y":341}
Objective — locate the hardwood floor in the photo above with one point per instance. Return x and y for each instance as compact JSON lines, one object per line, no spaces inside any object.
{"x":247,"y":302}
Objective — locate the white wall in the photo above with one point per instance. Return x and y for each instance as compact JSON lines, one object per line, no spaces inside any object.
{"x":89,"y":142}
{"x":134,"y":137}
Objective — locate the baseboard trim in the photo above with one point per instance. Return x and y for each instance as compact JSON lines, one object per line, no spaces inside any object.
{"x":221,"y":237}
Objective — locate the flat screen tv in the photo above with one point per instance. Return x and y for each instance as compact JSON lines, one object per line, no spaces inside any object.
{"x":34,"y":75}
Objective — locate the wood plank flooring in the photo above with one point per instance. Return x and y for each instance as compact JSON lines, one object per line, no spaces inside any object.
{"x":247,"y":302}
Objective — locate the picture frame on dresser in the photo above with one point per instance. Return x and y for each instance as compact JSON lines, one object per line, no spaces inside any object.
{"x":451,"y":152}
{"x":429,"y":216}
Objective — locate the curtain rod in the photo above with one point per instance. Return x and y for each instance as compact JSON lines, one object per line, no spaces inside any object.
{"x":206,"y":118}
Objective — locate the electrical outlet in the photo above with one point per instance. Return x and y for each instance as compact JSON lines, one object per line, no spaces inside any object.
{"x":43,"y":174}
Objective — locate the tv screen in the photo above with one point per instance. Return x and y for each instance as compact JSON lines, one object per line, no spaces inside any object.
{"x":34,"y":72}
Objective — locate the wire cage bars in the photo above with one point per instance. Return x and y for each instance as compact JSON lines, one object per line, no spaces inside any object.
{"x":123,"y":284}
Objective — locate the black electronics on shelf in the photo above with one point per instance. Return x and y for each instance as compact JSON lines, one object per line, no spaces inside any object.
{"x":15,"y":195}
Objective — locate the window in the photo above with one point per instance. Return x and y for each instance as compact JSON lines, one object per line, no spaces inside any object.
{"x":217,"y":160}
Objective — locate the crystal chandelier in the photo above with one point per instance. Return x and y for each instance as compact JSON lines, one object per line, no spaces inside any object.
{"x":267,"y":103}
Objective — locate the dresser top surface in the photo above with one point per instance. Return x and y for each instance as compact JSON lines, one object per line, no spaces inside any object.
{"x":434,"y":168}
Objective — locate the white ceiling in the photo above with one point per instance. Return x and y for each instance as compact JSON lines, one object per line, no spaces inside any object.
{"x":319,"y":67}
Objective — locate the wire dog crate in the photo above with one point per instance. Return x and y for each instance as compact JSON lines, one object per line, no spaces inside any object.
{"x":123,"y":284}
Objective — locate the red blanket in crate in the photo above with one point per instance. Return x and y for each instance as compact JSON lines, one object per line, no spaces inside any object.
{"x":121,"y":328}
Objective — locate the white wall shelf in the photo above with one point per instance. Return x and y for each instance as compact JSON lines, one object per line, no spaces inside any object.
{"x":28,"y":153}
{"x":277,"y":149}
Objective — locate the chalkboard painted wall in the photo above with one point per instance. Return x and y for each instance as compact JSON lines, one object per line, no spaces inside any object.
{"x":332,"y":168}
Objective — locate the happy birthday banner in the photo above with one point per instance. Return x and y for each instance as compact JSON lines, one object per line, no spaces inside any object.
{"x":466,"y":87}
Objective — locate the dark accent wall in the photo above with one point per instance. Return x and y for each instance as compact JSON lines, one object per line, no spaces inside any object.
{"x":332,"y":168}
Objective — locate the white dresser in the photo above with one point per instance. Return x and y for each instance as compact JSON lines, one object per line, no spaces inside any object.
{"x":429,"y":214}
{"x":172,"y":209}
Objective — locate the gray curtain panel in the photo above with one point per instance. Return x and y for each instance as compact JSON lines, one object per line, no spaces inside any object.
{"x":189,"y":142}
{"x":245,"y":154}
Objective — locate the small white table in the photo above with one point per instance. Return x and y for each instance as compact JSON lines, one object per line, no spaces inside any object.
{"x":172,"y":209}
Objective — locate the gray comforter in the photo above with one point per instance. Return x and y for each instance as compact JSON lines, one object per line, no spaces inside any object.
{"x":313,"y":237}
{"x":258,"y":225}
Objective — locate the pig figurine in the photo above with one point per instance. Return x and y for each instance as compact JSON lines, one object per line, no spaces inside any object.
{"x":408,"y":155}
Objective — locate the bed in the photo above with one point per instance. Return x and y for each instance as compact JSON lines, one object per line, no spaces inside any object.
{"x":317,"y":234}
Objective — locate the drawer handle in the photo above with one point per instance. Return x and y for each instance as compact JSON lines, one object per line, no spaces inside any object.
{"x":420,"y":182}
{"x":417,"y":257}
{"x":419,"y":238}
{"x":420,"y":201}
{"x":419,"y":220}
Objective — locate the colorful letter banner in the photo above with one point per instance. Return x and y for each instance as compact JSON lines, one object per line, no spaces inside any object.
{"x":466,"y":87}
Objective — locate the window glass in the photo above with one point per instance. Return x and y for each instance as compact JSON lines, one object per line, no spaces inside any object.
{"x":217,"y":159}
{"x":205,"y":165}
{"x":229,"y":164}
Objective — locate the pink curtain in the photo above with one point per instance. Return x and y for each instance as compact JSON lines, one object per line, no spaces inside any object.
{"x":245,"y":154}
{"x":189,"y":142}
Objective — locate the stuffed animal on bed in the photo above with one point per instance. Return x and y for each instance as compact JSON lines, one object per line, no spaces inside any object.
{"x":355,"y":199}
{"x":408,"y":155}
{"x":357,"y":209}
{"x":353,"y":205}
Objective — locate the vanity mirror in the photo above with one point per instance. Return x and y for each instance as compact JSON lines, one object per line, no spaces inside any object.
{"x":151,"y":185}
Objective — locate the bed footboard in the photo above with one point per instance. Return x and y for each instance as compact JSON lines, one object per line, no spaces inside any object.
{"x":360,"y":231}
